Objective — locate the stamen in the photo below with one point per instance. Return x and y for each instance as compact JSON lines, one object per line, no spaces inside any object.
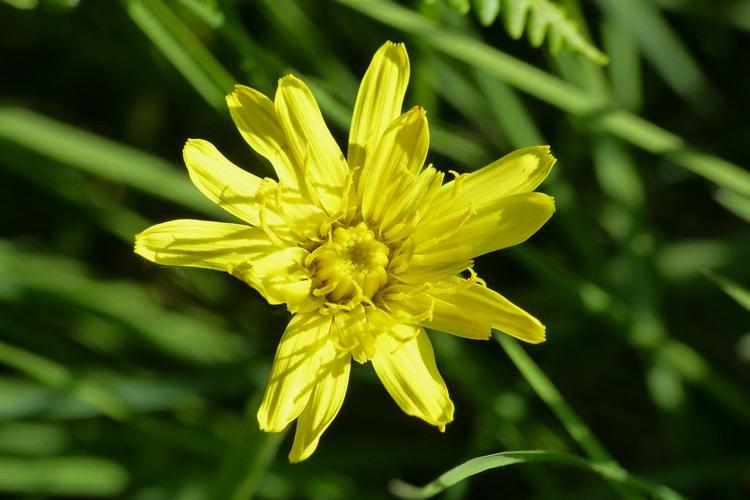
{"x":319,"y":292}
{"x":350,"y":267}
{"x":457,"y":181}
{"x":348,"y":184}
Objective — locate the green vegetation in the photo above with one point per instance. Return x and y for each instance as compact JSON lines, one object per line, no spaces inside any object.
{"x":123,"y":379}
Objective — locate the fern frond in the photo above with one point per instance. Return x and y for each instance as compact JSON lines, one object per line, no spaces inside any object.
{"x":539,"y":19}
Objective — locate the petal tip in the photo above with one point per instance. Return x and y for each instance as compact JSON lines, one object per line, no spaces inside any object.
{"x":299,"y":455}
{"x":289,"y":79}
{"x":193,"y":143}
{"x":552,"y":204}
{"x":539,"y":336}
{"x":419,"y":110}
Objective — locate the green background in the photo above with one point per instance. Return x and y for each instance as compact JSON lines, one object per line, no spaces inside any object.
{"x":123,"y":379}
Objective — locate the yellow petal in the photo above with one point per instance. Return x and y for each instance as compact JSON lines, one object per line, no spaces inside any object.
{"x":409,"y":374}
{"x":197,"y":243}
{"x":396,"y":160}
{"x":518,"y":172}
{"x":353,"y":332}
{"x":311,"y":144}
{"x":282,"y":278}
{"x":255,"y":117}
{"x":413,"y":197}
{"x":379,"y":100}
{"x":325,"y":402}
{"x":492,"y":226}
{"x":224,"y":183}
{"x":471,"y":311}
{"x":293,"y":372}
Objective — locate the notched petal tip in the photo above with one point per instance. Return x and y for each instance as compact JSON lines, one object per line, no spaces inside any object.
{"x":194,"y":145}
{"x":418,"y":110}
{"x":547,"y":202}
{"x":233,"y":98}
{"x":391,"y":45}
{"x":535,"y":333}
{"x":539,"y":336}
{"x":290,"y":79}
{"x":140,"y":247}
{"x":241,"y":93}
{"x":266,"y":426}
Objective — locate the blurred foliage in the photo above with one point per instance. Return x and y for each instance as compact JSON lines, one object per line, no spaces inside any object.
{"x":121,"y":379}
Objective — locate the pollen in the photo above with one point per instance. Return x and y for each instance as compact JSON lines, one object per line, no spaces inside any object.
{"x":351,"y":265}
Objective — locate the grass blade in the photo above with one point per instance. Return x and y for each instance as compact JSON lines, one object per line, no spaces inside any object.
{"x":181,"y":47}
{"x":606,"y":470}
{"x":542,"y":385}
{"x":75,"y":476}
{"x":59,"y":377}
{"x":739,"y":293}
{"x":661,"y":46}
{"x":244,"y":464}
{"x":737,"y":204}
{"x":555,"y":91}
{"x":175,"y":334}
{"x":101,"y":157}
{"x":544,"y":388}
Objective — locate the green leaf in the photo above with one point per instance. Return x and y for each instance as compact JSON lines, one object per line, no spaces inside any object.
{"x":661,"y":46}
{"x":544,"y":388}
{"x":607,"y":470}
{"x":176,"y":334}
{"x":739,"y":293}
{"x":461,"y":6}
{"x":23,"y":4}
{"x":183,"y":49}
{"x":32,"y":438}
{"x":58,"y":376}
{"x":540,"y":20}
{"x":206,"y":10}
{"x":553,"y":90}
{"x":738,"y":204}
{"x":21,"y":398}
{"x":246,"y":462}
{"x":486,"y":10}
{"x":102,"y":157}
{"x":74,"y":476}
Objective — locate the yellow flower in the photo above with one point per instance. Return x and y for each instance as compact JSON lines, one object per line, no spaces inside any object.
{"x":365,"y":251}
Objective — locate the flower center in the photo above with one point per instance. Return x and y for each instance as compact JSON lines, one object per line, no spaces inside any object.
{"x":351,"y":266}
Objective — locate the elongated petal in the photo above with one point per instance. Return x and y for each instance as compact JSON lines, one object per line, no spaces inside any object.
{"x":224,"y":183}
{"x":518,"y":172}
{"x":325,"y":402}
{"x":499,"y":224}
{"x":198,"y":243}
{"x":310,"y":141}
{"x":255,"y":117}
{"x":397,"y":159}
{"x":487,"y":305}
{"x":379,"y":100}
{"x":409,"y":374}
{"x":467,"y":310}
{"x":293,"y":372}
{"x":281,"y":278}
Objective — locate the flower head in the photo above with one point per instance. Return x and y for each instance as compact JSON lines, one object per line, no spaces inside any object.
{"x":365,"y":251}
